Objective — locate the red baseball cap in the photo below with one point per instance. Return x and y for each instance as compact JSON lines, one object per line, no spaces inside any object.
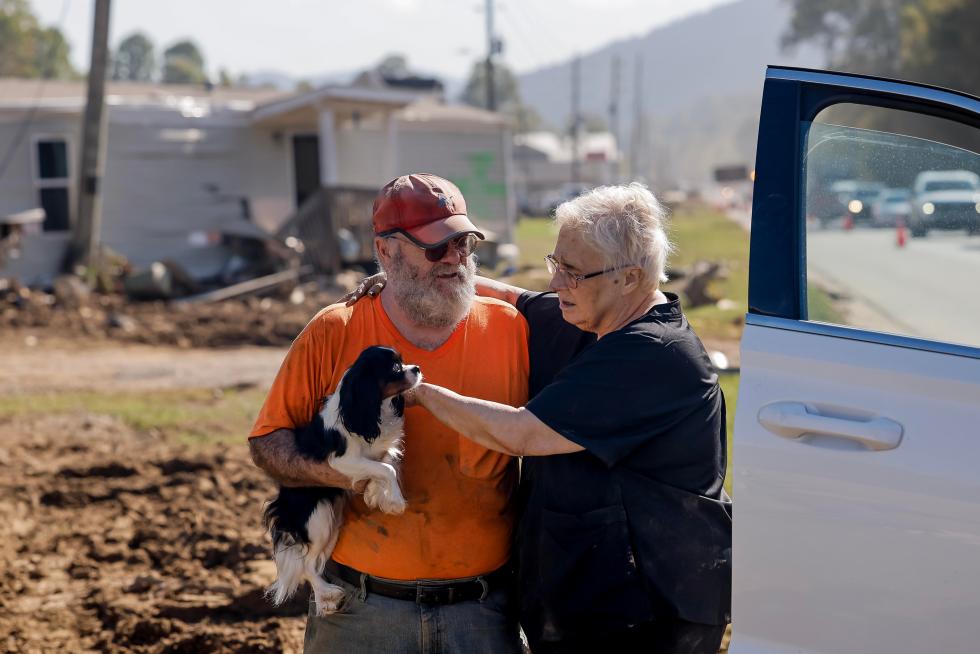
{"x":427,"y":209}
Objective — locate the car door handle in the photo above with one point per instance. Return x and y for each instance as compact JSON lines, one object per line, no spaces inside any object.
{"x":795,"y":419}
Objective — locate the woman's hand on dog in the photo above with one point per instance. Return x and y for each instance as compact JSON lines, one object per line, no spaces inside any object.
{"x":370,"y":286}
{"x":411,"y":396}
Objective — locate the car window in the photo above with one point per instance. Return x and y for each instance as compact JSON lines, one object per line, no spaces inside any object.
{"x":892,"y":210}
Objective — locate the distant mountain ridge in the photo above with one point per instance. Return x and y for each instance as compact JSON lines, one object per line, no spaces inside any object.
{"x":701,"y":86}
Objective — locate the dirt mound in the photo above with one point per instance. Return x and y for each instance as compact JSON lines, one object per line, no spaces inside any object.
{"x":119,"y":542}
{"x":70,"y":311}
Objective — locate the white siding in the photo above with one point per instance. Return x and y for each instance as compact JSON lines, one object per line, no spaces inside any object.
{"x":268,"y":176}
{"x":360,"y":157}
{"x":474,"y":161}
{"x":156,"y":183}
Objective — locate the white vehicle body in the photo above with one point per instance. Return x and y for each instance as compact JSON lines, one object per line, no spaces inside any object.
{"x":946,"y":199}
{"x":856,"y":451}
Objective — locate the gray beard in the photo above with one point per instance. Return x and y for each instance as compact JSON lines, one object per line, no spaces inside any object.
{"x":424,"y":302}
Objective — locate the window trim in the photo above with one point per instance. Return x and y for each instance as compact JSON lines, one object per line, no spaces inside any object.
{"x":50,"y":182}
{"x":791,"y":99}
{"x":67,"y":183}
{"x":864,"y":335}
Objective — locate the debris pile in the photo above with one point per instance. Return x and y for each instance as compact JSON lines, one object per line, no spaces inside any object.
{"x":269,"y":316}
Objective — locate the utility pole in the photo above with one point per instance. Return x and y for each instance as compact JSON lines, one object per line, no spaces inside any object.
{"x":636,"y":144}
{"x":84,"y":246}
{"x":493,"y":47}
{"x":614,"y":113}
{"x":576,"y":118}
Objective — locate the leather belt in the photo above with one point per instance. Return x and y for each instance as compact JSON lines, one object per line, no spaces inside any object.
{"x":424,"y":591}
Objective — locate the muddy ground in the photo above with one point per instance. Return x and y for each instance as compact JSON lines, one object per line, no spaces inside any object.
{"x":120,"y":540}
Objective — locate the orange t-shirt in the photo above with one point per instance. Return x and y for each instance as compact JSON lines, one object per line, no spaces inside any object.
{"x":459,"y":518}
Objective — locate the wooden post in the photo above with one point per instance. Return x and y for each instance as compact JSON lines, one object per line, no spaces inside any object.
{"x":84,"y":246}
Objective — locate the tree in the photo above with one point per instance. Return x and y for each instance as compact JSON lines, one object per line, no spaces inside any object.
{"x":930,"y":41}
{"x":393,"y":66}
{"x":940,"y":45}
{"x":861,"y":36}
{"x":183,"y":63}
{"x":507,"y":93}
{"x":29,"y":50}
{"x":134,"y":60}
{"x":506,"y":90}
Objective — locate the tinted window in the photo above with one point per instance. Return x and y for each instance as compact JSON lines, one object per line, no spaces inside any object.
{"x":907,"y":267}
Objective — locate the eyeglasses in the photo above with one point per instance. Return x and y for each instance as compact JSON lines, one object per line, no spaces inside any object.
{"x":464,"y":244}
{"x":571,"y":279}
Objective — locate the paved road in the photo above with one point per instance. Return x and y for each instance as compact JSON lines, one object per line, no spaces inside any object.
{"x":930,"y":288}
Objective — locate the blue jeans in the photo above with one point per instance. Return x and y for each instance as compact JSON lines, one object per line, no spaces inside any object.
{"x":381,"y":625}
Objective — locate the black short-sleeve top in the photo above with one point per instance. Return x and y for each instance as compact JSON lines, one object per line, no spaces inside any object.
{"x":638,"y":524}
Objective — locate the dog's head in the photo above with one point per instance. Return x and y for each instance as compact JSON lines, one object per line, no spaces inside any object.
{"x":377,"y":375}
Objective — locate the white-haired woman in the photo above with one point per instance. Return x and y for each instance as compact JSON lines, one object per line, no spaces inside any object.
{"x":624,"y":543}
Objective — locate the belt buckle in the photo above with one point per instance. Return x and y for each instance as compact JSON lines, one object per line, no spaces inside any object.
{"x":431,"y":593}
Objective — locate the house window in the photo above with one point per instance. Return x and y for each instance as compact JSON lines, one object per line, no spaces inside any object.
{"x":52,"y":180}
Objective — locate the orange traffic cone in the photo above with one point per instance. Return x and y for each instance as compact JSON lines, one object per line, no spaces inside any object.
{"x":900,"y":234}
{"x":848,"y":222}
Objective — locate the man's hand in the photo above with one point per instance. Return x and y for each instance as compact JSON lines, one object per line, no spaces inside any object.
{"x":370,"y":286}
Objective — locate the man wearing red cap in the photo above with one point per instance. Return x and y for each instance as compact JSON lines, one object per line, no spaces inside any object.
{"x":436,"y":578}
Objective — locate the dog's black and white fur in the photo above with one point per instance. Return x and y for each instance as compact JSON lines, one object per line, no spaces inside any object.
{"x":359,"y":433}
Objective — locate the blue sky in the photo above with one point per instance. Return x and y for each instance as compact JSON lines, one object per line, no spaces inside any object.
{"x":311,"y":37}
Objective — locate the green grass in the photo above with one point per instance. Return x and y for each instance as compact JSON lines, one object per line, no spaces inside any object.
{"x":820,"y":306}
{"x":729,"y":384}
{"x":700,"y":234}
{"x":190,"y":416}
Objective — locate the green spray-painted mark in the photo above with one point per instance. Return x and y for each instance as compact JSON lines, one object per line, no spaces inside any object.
{"x":478,"y":188}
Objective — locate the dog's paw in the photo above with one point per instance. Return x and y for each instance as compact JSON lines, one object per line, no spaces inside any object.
{"x":329,"y":600}
{"x":373,"y":494}
{"x":392,"y":503}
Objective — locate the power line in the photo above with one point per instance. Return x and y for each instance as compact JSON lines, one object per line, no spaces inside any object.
{"x":539,"y":25}
{"x":523,"y":38}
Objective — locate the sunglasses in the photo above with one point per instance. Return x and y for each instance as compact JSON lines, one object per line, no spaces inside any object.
{"x":465,"y":244}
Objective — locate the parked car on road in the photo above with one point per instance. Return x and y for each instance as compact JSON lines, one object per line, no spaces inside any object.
{"x":891,"y":207}
{"x":856,"y":446}
{"x":945,"y":199}
{"x":857,"y":197}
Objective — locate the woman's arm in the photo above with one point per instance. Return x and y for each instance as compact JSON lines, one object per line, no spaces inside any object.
{"x":487,"y":287}
{"x":498,"y":427}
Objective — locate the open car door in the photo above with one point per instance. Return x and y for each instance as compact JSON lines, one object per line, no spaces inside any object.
{"x":857,"y":435}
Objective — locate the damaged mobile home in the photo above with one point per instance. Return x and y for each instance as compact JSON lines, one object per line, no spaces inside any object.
{"x":192,"y":171}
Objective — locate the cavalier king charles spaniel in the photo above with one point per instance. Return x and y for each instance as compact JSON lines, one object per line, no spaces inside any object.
{"x":359,"y":433}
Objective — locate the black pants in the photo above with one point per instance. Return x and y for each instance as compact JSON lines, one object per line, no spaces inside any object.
{"x":661,"y":637}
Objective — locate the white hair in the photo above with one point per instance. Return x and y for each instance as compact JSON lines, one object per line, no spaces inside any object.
{"x":626,"y":224}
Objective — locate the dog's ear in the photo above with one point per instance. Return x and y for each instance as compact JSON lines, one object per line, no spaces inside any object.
{"x":398,"y":404}
{"x":360,"y":402}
